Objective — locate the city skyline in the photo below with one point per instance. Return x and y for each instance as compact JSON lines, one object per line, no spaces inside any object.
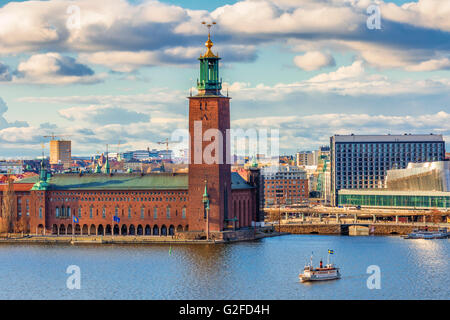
{"x":109,"y":80}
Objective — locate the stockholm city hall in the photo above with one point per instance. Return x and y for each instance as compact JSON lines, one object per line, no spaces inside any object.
{"x":209,"y":201}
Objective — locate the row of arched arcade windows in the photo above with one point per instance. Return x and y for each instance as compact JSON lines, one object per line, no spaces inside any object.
{"x":139,"y":230}
{"x":65,"y":212}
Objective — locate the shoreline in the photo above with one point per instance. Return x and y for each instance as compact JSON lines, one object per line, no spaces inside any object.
{"x":139,"y":240}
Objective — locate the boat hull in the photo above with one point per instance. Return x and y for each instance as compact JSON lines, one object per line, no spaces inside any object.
{"x":319,"y":276}
{"x":427,"y":235}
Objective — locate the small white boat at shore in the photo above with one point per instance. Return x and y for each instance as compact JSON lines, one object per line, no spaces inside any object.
{"x":322,"y":273}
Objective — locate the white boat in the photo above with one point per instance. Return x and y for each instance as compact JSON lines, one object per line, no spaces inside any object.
{"x":425,"y":234}
{"x":327,"y":272}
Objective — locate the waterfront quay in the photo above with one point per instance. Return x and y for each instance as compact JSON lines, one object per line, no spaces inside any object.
{"x":352,"y":221}
{"x":241,"y":235}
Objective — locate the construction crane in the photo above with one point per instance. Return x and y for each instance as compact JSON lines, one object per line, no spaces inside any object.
{"x":167,"y":142}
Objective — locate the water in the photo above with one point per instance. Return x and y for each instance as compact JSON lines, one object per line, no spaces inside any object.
{"x":265,"y":269}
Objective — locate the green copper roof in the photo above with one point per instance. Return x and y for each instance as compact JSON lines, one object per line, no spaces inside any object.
{"x":254,"y":163}
{"x":205,"y":194}
{"x":209,"y":82}
{"x":33,"y":179}
{"x":237,"y":182}
{"x":118,"y":182}
{"x":42,"y":183}
{"x":106,"y":168}
{"x":126,"y":181}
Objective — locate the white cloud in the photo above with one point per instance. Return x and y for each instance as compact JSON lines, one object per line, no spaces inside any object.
{"x":3,"y":122}
{"x":122,"y":61}
{"x":431,"y":65}
{"x":346,"y":72}
{"x":125,"y":36}
{"x":351,"y":80}
{"x":311,"y":131}
{"x":155,"y":98}
{"x":423,"y":13}
{"x":103,"y":114}
{"x":265,"y":17}
{"x":53,"y":68}
{"x":314,"y":60}
{"x":129,"y":61}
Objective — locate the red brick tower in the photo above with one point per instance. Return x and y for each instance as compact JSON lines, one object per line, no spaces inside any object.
{"x":209,"y":169}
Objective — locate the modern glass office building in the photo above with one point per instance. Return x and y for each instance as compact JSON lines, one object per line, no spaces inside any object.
{"x":362,"y":161}
{"x":395,"y":199}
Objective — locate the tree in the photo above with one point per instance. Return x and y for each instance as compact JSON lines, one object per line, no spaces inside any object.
{"x":275,"y":218}
{"x":8,"y":208}
{"x":22,"y":225}
{"x":435,"y":216}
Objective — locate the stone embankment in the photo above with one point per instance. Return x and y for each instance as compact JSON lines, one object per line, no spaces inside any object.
{"x":351,"y":229}
{"x":191,"y":238}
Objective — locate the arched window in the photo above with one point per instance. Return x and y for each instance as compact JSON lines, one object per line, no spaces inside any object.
{"x":129,"y":212}
{"x":40,"y":213}
{"x":68,"y":212}
{"x":90,"y":212}
{"x":142,"y":212}
{"x":168,"y":212}
{"x":183,"y":213}
{"x":57,"y":212}
{"x":104,"y":212}
{"x":116,"y":211}
{"x":155,"y":213}
{"x":79,"y":212}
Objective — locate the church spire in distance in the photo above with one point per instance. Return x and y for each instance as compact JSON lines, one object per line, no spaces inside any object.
{"x":209,"y":82}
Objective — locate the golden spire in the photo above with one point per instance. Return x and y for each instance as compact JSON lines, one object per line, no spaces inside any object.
{"x":209,"y":44}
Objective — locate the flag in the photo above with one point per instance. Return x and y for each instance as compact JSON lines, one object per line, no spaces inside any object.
{"x":330,"y":251}
{"x":75,"y":219}
{"x":116,"y":219}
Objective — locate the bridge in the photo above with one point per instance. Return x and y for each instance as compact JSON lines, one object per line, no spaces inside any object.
{"x":322,"y":214}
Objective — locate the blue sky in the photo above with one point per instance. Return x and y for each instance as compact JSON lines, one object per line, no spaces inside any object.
{"x":120,"y":70}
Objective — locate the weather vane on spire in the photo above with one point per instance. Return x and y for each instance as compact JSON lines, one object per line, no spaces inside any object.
{"x":209,"y":25}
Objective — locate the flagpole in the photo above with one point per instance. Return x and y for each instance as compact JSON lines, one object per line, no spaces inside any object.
{"x":73,"y":230}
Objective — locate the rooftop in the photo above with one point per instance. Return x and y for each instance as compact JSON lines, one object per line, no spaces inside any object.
{"x":386,"y":192}
{"x":126,"y":181}
{"x":389,"y":138}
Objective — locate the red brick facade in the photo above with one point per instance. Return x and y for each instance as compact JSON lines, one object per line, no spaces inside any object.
{"x":143,"y":212}
{"x":285,"y":191}
{"x":212,"y":113}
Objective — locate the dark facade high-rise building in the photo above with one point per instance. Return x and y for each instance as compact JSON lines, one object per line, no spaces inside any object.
{"x":362,"y":161}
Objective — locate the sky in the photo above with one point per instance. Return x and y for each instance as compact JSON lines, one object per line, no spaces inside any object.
{"x":118,"y":72}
